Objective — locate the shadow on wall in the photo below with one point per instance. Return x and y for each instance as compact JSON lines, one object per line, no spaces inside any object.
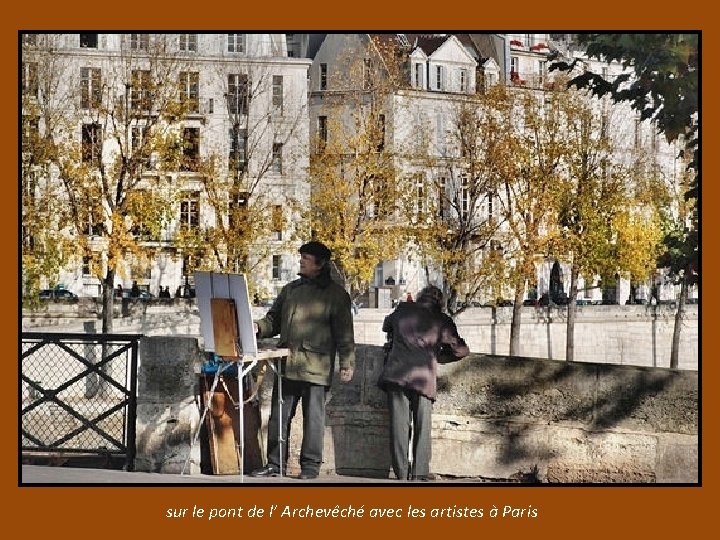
{"x":592,"y":397}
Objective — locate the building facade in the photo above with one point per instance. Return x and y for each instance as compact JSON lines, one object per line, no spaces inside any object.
{"x":235,"y":107}
{"x":249,"y":107}
{"x":439,"y":75}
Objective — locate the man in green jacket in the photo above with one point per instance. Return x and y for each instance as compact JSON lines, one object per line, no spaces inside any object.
{"x":313,"y":317}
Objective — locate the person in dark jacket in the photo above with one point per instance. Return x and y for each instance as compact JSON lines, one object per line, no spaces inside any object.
{"x":420,"y":335}
{"x":314,"y":319}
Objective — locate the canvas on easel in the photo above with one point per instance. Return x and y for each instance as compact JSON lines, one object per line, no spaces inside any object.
{"x":227,"y":329}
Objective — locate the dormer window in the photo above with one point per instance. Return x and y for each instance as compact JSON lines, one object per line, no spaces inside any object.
{"x":463,"y":78}
{"x":439,"y":78}
{"x":418,"y":75}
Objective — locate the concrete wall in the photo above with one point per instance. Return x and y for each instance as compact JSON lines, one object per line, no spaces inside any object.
{"x":495,"y":418}
{"x":628,"y":335}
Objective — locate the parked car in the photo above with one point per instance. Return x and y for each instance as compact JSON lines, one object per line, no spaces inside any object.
{"x":57,"y":292}
{"x":142,"y":295}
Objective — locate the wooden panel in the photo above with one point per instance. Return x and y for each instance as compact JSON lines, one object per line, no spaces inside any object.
{"x":224,"y":323}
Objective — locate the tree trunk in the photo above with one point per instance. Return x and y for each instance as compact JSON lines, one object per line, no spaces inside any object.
{"x":679,"y":316}
{"x":572,"y":309}
{"x":516,"y":320}
{"x":108,"y":291}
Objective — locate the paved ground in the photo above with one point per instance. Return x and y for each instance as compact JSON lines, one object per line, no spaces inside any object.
{"x":47,"y":474}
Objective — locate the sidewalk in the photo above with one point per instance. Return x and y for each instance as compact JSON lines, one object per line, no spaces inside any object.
{"x":47,"y":474}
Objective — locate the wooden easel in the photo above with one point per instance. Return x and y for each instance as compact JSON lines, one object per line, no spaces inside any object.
{"x":227,"y":328}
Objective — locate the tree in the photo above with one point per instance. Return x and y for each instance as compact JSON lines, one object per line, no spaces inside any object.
{"x":108,"y":140}
{"x":454,"y":208}
{"x":355,"y":186}
{"x":661,"y":82}
{"x":595,"y":189}
{"x":531,"y":185}
{"x":249,"y":212}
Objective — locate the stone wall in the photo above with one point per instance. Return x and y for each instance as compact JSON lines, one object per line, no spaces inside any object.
{"x":628,"y":335}
{"x":638,"y":335}
{"x":495,"y":418}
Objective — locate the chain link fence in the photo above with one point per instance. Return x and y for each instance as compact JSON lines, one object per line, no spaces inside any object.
{"x":78,"y":394}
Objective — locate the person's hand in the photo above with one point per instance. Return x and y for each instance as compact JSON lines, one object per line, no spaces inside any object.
{"x":256,"y":329}
{"x":346,"y":374}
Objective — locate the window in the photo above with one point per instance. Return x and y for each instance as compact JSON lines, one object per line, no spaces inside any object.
{"x":323,"y":76}
{"x":277,"y":93}
{"x":29,"y":40}
{"x":367,"y":74}
{"x":276,"y":165}
{"x":91,"y":144}
{"x":278,"y":222}
{"x":190,"y":210}
{"x":464,"y":198}
{"x":654,"y":139}
{"x":190,"y":90}
{"x":191,"y":149}
{"x":188,"y":42}
{"x":30,"y":83}
{"x":140,"y":90}
{"x":420,"y":194}
{"x":439,"y":76}
{"x":139,"y":205}
{"x":276,"y":266}
{"x":322,"y":131}
{"x":291,"y":45}
{"x":139,"y":42}
{"x":90,"y":88}
{"x":237,"y":95}
{"x":93,"y":223}
{"x":140,"y":147}
{"x":514,"y":68}
{"x":189,"y":263}
{"x":443,"y":202}
{"x":463,"y":76}
{"x":381,"y":133}
{"x":418,"y":75}
{"x":638,"y":132}
{"x":237,"y":159}
{"x":542,"y":69}
{"x":29,"y":186}
{"x":238,"y":212}
{"x":492,"y":207}
{"x":86,"y":266}
{"x":28,"y":241}
{"x":30,"y":132}
{"x":89,"y":41}
{"x":236,"y":43}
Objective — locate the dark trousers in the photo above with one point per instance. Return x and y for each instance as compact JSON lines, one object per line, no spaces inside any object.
{"x":410,"y":420}
{"x":313,"y":409}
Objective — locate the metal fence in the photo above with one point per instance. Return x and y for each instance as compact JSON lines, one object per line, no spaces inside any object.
{"x":78,"y":394}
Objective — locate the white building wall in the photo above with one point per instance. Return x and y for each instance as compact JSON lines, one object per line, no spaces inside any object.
{"x":264,"y":56}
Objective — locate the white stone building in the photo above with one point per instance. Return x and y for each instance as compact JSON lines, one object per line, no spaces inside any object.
{"x":291,"y":73}
{"x":441,"y":70}
{"x":253,"y":82}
